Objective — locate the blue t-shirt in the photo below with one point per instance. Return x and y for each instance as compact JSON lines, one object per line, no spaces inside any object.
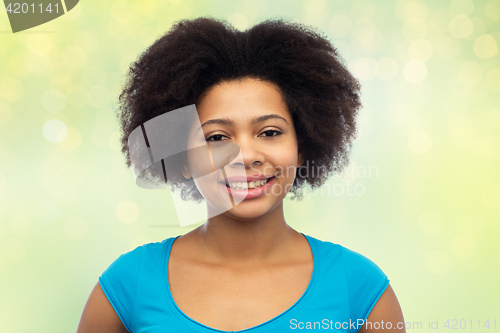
{"x":343,"y":289}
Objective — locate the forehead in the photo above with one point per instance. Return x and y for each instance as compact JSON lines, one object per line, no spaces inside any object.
{"x":242,"y":100}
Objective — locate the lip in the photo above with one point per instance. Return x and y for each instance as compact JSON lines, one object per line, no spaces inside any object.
{"x":248,"y":179}
{"x":251,"y":193}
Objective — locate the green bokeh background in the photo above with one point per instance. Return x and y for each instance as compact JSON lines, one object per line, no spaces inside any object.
{"x":421,"y":196}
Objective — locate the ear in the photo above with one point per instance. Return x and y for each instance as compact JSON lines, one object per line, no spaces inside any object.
{"x":301,"y":155}
{"x":185,"y":169}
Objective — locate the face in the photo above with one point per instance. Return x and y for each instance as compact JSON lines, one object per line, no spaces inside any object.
{"x":251,"y":114}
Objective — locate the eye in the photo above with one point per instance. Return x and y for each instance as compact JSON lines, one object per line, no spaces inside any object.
{"x":269,"y":133}
{"x":215,"y":137}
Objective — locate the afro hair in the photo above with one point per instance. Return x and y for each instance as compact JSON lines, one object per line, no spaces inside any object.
{"x":322,"y":96}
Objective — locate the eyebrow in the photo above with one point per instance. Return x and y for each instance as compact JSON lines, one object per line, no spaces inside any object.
{"x":229,"y":122}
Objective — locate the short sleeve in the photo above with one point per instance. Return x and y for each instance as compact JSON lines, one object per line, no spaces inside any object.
{"x":119,"y":283}
{"x":366,"y":283}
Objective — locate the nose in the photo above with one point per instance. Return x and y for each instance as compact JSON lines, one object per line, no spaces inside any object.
{"x":251,"y":153}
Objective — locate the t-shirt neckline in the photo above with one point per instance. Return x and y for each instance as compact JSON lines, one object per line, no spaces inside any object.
{"x":265,"y":325}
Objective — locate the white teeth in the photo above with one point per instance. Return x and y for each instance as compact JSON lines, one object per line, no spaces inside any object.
{"x":239,"y":186}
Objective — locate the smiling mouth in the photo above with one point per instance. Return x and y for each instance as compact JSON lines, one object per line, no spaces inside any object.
{"x":240,"y":186}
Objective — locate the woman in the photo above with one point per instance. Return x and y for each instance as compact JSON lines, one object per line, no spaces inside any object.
{"x":281,"y":93}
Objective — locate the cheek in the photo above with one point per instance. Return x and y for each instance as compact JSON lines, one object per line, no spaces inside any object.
{"x":285,"y":159}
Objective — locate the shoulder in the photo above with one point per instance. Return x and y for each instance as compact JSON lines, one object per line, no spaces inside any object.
{"x":364,"y":280}
{"x":119,"y":281}
{"x":123,"y":271}
{"x":324,"y":249}
{"x":128,"y":262}
{"x":357,"y":264}
{"x":354,"y":263}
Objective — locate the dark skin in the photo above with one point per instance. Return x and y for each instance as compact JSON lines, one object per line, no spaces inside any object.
{"x":246,"y":261}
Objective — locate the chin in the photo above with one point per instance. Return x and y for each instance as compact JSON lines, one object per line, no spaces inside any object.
{"x":253,"y":208}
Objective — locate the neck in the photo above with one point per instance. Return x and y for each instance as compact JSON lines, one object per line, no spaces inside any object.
{"x":225,"y":238}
